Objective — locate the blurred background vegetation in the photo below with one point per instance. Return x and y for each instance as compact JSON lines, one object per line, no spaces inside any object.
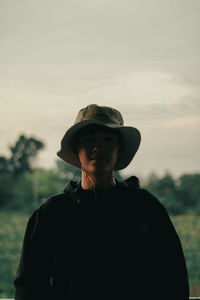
{"x":23,"y":188}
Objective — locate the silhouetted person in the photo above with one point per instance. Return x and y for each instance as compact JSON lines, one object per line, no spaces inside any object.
{"x":101,"y":238}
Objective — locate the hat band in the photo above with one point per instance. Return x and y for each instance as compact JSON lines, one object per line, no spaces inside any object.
{"x":103,"y":118}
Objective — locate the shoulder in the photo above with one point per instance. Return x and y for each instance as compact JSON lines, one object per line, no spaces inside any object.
{"x":132,"y":186}
{"x":55,"y":206}
{"x":48,"y":207}
{"x":146,"y":195}
{"x":143,"y":199}
{"x":53,"y":201}
{"x":149,"y":199}
{"x":139,"y":194}
{"x":50,"y":215}
{"x":146,"y":206}
{"x":61,"y":200}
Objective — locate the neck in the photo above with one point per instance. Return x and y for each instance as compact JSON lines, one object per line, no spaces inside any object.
{"x":91,"y":181}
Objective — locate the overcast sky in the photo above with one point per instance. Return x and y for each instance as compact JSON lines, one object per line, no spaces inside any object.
{"x":140,"y":57}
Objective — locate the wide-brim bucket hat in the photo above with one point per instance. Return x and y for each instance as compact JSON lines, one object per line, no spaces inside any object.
{"x":107,"y":117}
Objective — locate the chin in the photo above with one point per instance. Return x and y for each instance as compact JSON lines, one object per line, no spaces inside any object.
{"x":100,"y":167}
{"x":103,"y":171}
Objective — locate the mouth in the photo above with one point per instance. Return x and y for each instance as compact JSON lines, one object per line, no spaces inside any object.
{"x":99,"y":158}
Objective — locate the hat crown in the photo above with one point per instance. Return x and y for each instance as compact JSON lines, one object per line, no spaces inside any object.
{"x":104,"y":114}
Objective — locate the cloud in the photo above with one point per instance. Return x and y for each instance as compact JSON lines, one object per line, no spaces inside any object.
{"x":144,"y":90}
{"x":72,"y":30}
{"x":141,"y":57}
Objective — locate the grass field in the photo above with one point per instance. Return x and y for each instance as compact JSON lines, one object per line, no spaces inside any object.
{"x":12,"y":227}
{"x":188,"y":229}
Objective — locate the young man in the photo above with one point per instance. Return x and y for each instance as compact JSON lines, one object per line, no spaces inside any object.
{"x":101,"y":238}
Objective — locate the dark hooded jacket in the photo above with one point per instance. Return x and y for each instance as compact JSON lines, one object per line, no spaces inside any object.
{"x":119,"y":244}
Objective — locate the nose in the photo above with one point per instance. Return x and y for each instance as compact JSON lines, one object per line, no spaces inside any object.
{"x":98,"y":146}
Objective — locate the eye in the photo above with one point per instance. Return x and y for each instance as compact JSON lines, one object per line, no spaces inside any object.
{"x":87,"y":139}
{"x":111,"y":140}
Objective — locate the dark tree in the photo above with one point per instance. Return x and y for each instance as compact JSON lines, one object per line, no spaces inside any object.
{"x":4,"y":165}
{"x":23,"y":153}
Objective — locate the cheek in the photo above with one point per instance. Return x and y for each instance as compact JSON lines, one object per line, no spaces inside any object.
{"x":83,"y":155}
{"x":80,"y":154}
{"x":115,"y":153}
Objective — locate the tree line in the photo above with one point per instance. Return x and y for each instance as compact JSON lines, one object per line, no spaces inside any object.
{"x":25,"y":187}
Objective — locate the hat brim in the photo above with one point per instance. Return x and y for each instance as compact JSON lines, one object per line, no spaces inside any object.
{"x":130,"y":135}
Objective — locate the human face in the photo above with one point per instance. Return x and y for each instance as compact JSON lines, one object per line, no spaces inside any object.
{"x":98,"y":151}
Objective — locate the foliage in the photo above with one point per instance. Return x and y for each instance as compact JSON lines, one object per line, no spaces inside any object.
{"x":16,"y":184}
{"x":46,"y":183}
{"x":12,"y":227}
{"x":188,"y":229}
{"x":22,"y":154}
{"x":178,"y":196}
{"x":6,"y":188}
{"x":189,"y":191}
{"x":67,"y":171}
{"x":29,"y":190}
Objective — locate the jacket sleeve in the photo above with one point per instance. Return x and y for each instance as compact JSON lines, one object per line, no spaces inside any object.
{"x":34,"y":271}
{"x":169,"y":253}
